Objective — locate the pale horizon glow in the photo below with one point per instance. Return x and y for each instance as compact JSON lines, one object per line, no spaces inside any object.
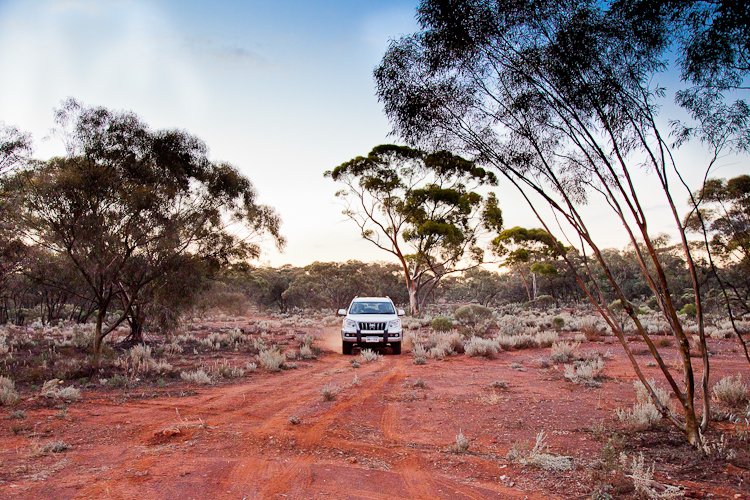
{"x":283,"y":90}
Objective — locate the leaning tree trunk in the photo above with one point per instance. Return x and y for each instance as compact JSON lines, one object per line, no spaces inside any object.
{"x":411,"y":287}
{"x":98,"y":337}
{"x":135,"y":321}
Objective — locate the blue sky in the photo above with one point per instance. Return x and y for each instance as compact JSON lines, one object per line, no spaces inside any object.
{"x":281,"y":89}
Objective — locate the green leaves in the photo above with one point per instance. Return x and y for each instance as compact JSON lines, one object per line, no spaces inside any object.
{"x":421,"y":207}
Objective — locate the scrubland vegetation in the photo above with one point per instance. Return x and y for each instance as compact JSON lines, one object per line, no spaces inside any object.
{"x":126,"y":273}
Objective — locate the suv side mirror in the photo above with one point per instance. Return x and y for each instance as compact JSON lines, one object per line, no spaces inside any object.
{"x":401,"y":312}
{"x":341,"y":312}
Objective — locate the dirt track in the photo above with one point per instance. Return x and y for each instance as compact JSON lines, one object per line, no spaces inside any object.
{"x":383,"y":438}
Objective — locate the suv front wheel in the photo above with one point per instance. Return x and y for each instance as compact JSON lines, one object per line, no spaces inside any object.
{"x":346,"y":347}
{"x":396,"y":347}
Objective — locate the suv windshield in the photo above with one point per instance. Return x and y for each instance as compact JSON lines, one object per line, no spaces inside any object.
{"x":372,"y":308}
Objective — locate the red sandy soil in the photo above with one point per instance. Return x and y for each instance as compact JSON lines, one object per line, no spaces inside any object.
{"x":383,"y":438}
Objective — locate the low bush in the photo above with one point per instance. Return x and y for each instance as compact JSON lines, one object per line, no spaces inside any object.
{"x":562,"y":352}
{"x":330,"y":391}
{"x":461,"y":445}
{"x":644,"y":414}
{"x":368,"y":355}
{"x":731,"y":391}
{"x":475,"y":317}
{"x":585,"y":372}
{"x":419,"y":354}
{"x":441,"y":324}
{"x":55,"y":447}
{"x":477,"y":346}
{"x":197,"y":377}
{"x":8,"y":394}
{"x":271,"y":359}
{"x":539,"y":456}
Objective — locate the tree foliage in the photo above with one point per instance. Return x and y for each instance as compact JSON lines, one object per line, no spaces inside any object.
{"x":127,"y":205}
{"x":560,"y":98}
{"x":421,"y":208}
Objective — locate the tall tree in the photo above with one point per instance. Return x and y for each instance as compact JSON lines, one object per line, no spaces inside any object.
{"x":528,"y":251}
{"x":126,"y":203}
{"x":15,"y":150}
{"x":721,"y":214}
{"x":559,"y":97}
{"x":418,"y":207}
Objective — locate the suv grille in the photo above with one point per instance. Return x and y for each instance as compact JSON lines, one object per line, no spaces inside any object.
{"x":370,"y":326}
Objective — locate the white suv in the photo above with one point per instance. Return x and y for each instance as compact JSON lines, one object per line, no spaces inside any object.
{"x":371,"y":321}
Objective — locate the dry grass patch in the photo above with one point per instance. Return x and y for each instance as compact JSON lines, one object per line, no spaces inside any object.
{"x":8,"y":394}
{"x":538,"y":455}
{"x":730,"y":391}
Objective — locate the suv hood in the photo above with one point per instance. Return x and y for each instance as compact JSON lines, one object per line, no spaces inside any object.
{"x":372,"y":318}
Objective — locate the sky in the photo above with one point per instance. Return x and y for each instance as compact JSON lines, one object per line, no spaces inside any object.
{"x":281,"y":89}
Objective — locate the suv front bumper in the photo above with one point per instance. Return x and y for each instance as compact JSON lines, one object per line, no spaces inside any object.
{"x":366,"y":337}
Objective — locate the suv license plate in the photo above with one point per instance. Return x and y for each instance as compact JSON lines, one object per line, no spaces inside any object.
{"x":373,"y":339}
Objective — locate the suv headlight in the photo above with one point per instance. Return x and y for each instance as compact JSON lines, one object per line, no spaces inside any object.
{"x":350,"y":323}
{"x":394,"y":324}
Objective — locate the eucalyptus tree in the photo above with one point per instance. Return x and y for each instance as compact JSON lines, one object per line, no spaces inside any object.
{"x":15,"y":150}
{"x":721,"y":214}
{"x":127,"y":203}
{"x":422,"y":209}
{"x":559,"y":97}
{"x":528,"y":252}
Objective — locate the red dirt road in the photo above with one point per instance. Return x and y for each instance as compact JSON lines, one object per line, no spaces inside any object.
{"x":382,"y":438}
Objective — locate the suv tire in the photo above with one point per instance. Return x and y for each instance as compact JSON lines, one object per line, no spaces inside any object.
{"x":346,"y":347}
{"x":396,"y":347}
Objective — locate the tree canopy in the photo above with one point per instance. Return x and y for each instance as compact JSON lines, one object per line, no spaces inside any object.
{"x":127,"y":203}
{"x":560,"y":97}
{"x":421,"y":208}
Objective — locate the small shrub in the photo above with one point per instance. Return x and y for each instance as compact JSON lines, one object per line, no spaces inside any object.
{"x":644,"y":484}
{"x":17,"y":415}
{"x":55,"y":447}
{"x":545,"y":339}
{"x":83,"y":336}
{"x":477,"y":346}
{"x":419,"y":383}
{"x":271,"y":359}
{"x":330,"y":391}
{"x":558,"y":323}
{"x":355,"y":363}
{"x":419,"y":354}
{"x":590,"y":329}
{"x":441,"y":324}
{"x":731,"y":391}
{"x":196,"y":377}
{"x":644,"y":414}
{"x":499,"y":384}
{"x":251,"y":367}
{"x":475,"y":317}
{"x":140,"y":354}
{"x":368,"y":355}
{"x":664,"y":342}
{"x":306,"y":352}
{"x":539,"y":456}
{"x":8,"y":394}
{"x":173,"y":348}
{"x":562,"y":352}
{"x":585,"y":372}
{"x":689,"y":310}
{"x":461,"y":445}
{"x":117,"y":380}
{"x":69,"y":394}
{"x":295,"y":420}
{"x":225,"y":370}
